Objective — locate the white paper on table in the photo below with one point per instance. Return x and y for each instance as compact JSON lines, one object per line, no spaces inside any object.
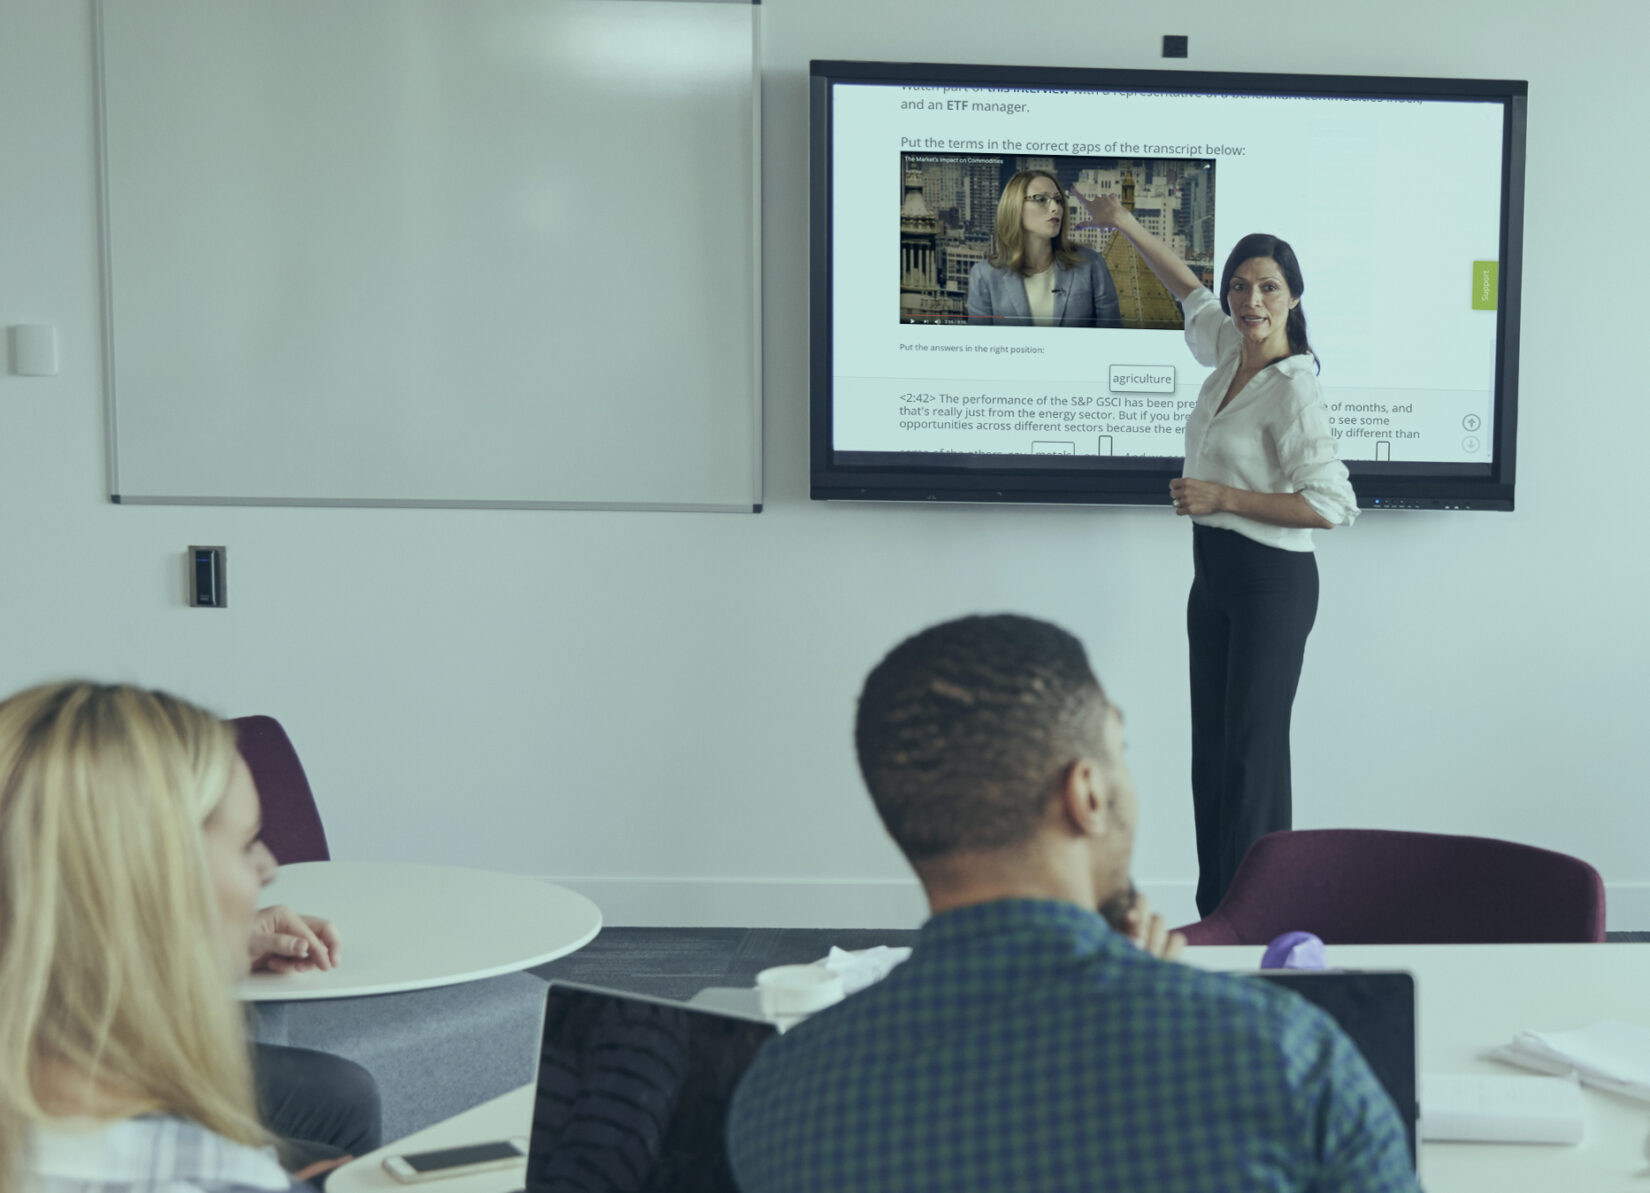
{"x":860,"y":968}
{"x":1609,"y":1054}
{"x":1494,"y":1109}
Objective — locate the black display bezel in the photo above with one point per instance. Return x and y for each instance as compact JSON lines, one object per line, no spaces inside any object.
{"x":1380,"y":485}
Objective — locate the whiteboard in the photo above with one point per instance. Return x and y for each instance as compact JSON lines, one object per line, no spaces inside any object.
{"x":498,"y":253}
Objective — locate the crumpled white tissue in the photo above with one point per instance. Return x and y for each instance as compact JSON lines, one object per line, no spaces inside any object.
{"x":860,"y":968}
{"x":1609,"y":1054}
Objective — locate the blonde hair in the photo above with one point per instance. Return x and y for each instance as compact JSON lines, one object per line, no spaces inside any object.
{"x":112,"y":966}
{"x":1009,"y":249}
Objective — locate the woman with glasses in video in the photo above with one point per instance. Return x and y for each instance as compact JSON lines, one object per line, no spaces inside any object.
{"x":1035,"y":277}
{"x":1262,"y":473}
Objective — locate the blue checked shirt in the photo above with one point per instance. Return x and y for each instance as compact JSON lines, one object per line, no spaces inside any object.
{"x":1026,"y":1046}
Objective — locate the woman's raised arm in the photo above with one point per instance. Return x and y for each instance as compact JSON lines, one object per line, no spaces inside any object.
{"x":1108,"y":212}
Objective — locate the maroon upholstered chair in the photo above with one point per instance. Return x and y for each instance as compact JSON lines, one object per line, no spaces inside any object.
{"x":1373,"y":886}
{"x":292,"y":825}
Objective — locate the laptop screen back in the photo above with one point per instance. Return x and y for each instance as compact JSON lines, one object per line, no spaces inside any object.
{"x":1377,"y":1010}
{"x":633,"y":1093}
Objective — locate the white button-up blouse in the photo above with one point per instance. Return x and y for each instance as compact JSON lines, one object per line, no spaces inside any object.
{"x":1272,"y":438}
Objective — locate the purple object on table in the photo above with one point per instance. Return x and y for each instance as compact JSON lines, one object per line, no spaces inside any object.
{"x":1295,"y":950}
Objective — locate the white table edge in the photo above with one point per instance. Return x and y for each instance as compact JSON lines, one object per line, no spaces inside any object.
{"x":260,"y":987}
{"x":269,"y":987}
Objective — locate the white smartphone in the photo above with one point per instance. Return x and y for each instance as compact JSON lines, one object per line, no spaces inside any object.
{"x":455,"y":1161}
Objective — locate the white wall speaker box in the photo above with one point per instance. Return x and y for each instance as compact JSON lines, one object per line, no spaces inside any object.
{"x":34,"y":349}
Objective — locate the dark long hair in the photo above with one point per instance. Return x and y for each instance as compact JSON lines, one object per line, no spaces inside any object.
{"x":1263,"y":244}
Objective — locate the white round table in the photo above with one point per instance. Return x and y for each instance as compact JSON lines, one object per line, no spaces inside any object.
{"x":405,"y":926}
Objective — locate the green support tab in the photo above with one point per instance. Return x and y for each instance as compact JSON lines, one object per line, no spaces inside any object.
{"x":1485,"y":280}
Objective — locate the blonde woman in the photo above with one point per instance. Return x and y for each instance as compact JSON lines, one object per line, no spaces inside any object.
{"x":1035,"y":277}
{"x":130,"y":866}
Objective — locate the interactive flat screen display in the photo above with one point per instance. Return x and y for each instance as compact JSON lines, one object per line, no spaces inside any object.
{"x":1402,"y":199}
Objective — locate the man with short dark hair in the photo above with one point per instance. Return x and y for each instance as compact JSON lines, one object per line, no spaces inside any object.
{"x":1031,"y":1042}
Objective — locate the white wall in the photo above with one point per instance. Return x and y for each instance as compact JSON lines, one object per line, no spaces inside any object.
{"x":655,"y":708}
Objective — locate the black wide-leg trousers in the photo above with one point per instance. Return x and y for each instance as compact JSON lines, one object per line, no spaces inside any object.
{"x":1247,"y":618}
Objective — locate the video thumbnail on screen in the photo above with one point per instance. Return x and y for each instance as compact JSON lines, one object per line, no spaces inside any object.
{"x":966,"y":220}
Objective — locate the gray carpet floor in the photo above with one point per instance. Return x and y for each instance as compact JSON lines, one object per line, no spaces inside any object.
{"x":679,"y":962}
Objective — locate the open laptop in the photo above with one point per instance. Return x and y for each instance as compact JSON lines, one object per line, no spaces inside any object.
{"x":633,"y":1092}
{"x":1377,"y":1010}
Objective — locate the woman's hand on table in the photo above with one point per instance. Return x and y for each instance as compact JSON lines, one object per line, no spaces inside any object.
{"x":285,"y":942}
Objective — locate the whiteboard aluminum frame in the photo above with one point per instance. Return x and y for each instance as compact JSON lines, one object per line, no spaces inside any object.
{"x":111,"y":407}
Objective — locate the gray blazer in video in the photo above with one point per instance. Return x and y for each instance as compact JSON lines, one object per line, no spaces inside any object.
{"x":1084,"y":295}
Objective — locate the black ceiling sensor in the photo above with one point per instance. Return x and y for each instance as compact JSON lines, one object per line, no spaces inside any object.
{"x":1174,"y":45}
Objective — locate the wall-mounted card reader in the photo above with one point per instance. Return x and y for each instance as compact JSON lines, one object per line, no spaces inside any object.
{"x":208,"y":580}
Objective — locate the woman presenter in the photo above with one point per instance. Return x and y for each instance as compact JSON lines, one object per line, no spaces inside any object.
{"x":1262,"y":472}
{"x":1034,"y":278}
